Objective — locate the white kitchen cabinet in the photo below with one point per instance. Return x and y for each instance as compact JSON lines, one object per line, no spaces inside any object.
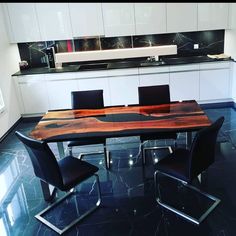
{"x":184,"y":85}
{"x":181,"y":17}
{"x":232,"y":15}
{"x":154,"y":76}
{"x":150,"y":18}
{"x":33,"y":93}
{"x":54,"y":21}
{"x":59,"y":93}
{"x":213,"y":16}
{"x":86,"y":19}
{"x":118,"y":19}
{"x":123,"y":85}
{"x":94,"y":84}
{"x":21,"y":21}
{"x":215,"y":84}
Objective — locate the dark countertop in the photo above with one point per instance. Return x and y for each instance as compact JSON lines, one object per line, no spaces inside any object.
{"x":164,"y":61}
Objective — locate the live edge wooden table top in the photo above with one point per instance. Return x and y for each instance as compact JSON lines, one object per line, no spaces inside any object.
{"x":64,"y":125}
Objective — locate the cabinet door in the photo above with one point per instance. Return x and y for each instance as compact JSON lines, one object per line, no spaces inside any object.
{"x":34,"y":94}
{"x":22,"y":22}
{"x":118,"y":19}
{"x":86,"y":19}
{"x":59,"y":93}
{"x":213,"y":16}
{"x":124,"y":89}
{"x":153,"y":79}
{"x":214,"y":84}
{"x":54,"y":21}
{"x":94,"y":84}
{"x":181,"y":17}
{"x":184,"y":85}
{"x":150,"y":18}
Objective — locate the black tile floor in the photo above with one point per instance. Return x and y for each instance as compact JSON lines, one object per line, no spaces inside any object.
{"x":128,"y":198}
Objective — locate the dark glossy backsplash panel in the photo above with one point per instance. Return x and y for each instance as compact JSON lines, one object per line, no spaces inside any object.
{"x":209,"y":42}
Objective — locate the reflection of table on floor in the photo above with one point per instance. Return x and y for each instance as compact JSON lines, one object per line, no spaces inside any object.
{"x":65,"y":125}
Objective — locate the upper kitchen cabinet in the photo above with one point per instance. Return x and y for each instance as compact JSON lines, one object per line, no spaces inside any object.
{"x":54,"y":21}
{"x":232,"y":15}
{"x":118,"y":19}
{"x":150,"y":18}
{"x":181,"y":17}
{"x":86,"y":19}
{"x":213,"y":16}
{"x":22,"y":22}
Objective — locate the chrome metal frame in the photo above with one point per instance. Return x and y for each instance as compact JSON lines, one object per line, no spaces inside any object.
{"x":178,"y":212}
{"x":105,"y":152}
{"x":61,"y":231}
{"x":151,"y":148}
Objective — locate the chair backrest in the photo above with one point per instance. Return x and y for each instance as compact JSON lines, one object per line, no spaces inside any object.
{"x":43,"y":160}
{"x":154,"y":95}
{"x":91,"y":99}
{"x":202,"y":151}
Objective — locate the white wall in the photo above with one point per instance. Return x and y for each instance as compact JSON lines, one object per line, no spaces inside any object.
{"x":230,"y":46}
{"x":9,"y":59}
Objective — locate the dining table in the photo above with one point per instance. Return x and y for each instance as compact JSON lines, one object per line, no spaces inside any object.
{"x":119,"y":121}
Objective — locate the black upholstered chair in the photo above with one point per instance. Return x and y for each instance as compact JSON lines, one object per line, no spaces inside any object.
{"x":185,"y":165}
{"x":154,"y":95}
{"x":64,"y":174}
{"x":91,"y":99}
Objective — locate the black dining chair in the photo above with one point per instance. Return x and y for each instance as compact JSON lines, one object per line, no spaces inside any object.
{"x":185,"y":165}
{"x":64,"y":175}
{"x":91,"y":99}
{"x":154,"y":95}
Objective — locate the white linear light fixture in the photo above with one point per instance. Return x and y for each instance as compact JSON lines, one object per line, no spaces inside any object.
{"x":110,"y":54}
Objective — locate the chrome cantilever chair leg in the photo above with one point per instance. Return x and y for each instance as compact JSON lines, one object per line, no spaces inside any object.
{"x":178,"y":212}
{"x":151,"y":148}
{"x":106,"y":153}
{"x":39,"y":216}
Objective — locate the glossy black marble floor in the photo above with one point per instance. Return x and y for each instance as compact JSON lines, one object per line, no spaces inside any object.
{"x":128,"y":198}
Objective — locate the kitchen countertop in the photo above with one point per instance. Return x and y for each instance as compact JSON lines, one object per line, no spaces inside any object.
{"x":120,"y":65}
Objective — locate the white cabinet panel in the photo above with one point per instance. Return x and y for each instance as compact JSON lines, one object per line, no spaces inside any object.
{"x":54,"y":21}
{"x":124,"y":89}
{"x":59,"y":93}
{"x":94,"y":84}
{"x":184,"y":85}
{"x":153,"y":79}
{"x":34,"y":94}
{"x":22,"y":22}
{"x":215,"y":84}
{"x":86,"y":19}
{"x":150,"y":18}
{"x":212,"y":16}
{"x":181,"y":17}
{"x":118,"y":19}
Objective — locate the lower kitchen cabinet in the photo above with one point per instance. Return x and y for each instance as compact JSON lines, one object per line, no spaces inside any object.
{"x":124,"y":87}
{"x":33,"y":94}
{"x":59,"y":93}
{"x":184,"y":85}
{"x":215,"y":84}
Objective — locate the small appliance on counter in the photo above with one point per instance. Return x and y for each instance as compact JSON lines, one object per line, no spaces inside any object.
{"x":51,"y":59}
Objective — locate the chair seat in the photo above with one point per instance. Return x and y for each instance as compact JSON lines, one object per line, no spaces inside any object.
{"x":87,"y":142}
{"x":158,"y":135}
{"x":74,"y":171}
{"x":176,"y":164}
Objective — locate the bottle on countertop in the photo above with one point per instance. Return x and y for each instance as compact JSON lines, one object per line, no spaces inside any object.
{"x":51,"y":59}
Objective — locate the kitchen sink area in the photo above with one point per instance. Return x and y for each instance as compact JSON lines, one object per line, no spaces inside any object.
{"x":93,"y":66}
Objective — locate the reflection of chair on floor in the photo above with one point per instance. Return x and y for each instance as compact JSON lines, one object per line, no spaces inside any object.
{"x":92,"y":99}
{"x":154,"y":95}
{"x":64,"y":174}
{"x":186,"y":165}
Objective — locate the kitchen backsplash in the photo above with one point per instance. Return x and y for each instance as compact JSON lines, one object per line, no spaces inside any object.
{"x":209,"y":42}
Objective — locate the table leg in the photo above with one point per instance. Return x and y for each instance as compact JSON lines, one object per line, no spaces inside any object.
{"x":188,"y":139}
{"x":61,"y":149}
